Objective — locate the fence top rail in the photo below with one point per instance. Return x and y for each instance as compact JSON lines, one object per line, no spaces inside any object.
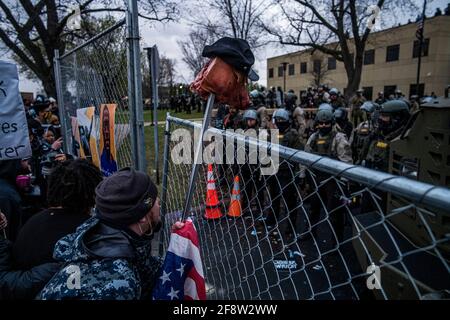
{"x":97,"y":36}
{"x":415,"y":191}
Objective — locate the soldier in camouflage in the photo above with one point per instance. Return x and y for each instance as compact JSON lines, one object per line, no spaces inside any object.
{"x":300,"y":123}
{"x":335,"y":100}
{"x":109,"y":256}
{"x":362,"y":135}
{"x":393,"y":116}
{"x":282,"y":183}
{"x":355,"y":104}
{"x":328,"y":142}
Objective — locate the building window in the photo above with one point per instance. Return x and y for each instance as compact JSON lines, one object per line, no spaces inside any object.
{"x":368,"y":92}
{"x":388,"y":90}
{"x":369,"y":57}
{"x":426,"y":44}
{"x":317,"y":66}
{"x":291,"y":69}
{"x":392,"y":53}
{"x":331,"y":63}
{"x":413,"y":91}
{"x":280,"y":71}
{"x":271,"y":73}
{"x":303,"y":67}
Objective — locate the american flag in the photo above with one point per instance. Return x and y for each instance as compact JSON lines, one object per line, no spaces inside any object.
{"x":182,"y":273}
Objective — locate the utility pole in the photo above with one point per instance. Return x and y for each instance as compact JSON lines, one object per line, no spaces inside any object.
{"x":284,"y":75}
{"x":420,"y":36}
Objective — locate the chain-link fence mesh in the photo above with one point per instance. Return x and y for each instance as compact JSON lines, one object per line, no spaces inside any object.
{"x":96,"y":73}
{"x":336,"y":234}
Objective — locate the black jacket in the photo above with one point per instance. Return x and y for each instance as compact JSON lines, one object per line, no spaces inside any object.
{"x":48,"y":227}
{"x":10,"y":201}
{"x":18,"y":284}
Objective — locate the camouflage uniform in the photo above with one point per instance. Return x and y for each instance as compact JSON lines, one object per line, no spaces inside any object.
{"x":334,"y":145}
{"x":263,"y":117}
{"x":124,"y":270}
{"x":357,"y":114}
{"x":282,"y":182}
{"x":378,"y":151}
{"x":300,"y":123}
{"x":360,"y":141}
{"x":338,"y":103}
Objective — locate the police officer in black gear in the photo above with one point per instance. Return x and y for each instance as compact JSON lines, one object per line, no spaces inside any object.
{"x":327,"y":141}
{"x":342,"y":123}
{"x":282,"y":186}
{"x":250,"y":172}
{"x":393,"y":116}
{"x":290,"y":101}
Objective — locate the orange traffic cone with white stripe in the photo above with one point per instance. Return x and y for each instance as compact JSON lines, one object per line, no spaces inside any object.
{"x":212,"y":210}
{"x":235,"y":205}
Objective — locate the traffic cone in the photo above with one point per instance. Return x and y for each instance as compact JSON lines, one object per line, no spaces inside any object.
{"x":212,"y":210}
{"x":235,"y":205}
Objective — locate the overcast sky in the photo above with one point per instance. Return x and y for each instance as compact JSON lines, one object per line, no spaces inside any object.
{"x":165,"y":36}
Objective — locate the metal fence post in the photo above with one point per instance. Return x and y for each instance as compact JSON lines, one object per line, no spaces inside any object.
{"x":63,"y":115}
{"x":135,"y":87}
{"x":164,"y":179}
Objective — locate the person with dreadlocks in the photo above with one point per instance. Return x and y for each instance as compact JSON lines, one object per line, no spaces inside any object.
{"x":28,"y":264}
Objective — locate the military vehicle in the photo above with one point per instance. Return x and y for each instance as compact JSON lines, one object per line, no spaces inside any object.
{"x":412,"y":243}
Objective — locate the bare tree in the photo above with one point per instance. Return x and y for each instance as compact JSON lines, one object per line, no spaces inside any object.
{"x":320,"y":71}
{"x":339,"y":28}
{"x":32,"y":30}
{"x":233,"y":18}
{"x":192,"y":47}
{"x":167,"y":72}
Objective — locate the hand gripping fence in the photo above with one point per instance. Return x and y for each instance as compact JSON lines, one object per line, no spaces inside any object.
{"x":341,"y":232}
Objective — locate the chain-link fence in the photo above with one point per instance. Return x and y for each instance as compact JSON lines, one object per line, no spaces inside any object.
{"x":339,"y":232}
{"x":105,"y":70}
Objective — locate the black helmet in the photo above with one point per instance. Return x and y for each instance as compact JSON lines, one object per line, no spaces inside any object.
{"x":326,"y":106}
{"x":281,"y":114}
{"x":394,"y":106}
{"x":398,"y":111}
{"x":324,"y":115}
{"x":369,"y":106}
{"x":282,"y":120}
{"x":250,"y":114}
{"x":340,"y":114}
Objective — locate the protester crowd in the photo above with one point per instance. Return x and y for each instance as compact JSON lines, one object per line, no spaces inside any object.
{"x":60,"y":217}
{"x":48,"y":221}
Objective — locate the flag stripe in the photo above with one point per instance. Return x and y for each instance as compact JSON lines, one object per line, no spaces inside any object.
{"x":190,"y":289}
{"x":188,"y":232}
{"x":199,"y":281}
{"x":184,"y":248}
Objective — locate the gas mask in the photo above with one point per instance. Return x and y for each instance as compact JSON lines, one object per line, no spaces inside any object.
{"x":325,"y":130}
{"x":282,"y":125}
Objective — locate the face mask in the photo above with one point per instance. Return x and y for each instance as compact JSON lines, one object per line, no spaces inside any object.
{"x":325,"y":130}
{"x":282,"y":126}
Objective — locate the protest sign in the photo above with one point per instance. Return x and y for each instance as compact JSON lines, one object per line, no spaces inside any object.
{"x":14,"y":138}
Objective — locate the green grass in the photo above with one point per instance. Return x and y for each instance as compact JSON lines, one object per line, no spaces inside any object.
{"x":162,"y":115}
{"x":149,"y":140}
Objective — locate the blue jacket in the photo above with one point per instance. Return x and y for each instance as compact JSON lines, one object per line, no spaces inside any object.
{"x":102,"y":263}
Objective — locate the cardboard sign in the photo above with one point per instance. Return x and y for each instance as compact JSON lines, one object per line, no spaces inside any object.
{"x":14,"y":138}
{"x":87,"y":127}
{"x":108,"y":157}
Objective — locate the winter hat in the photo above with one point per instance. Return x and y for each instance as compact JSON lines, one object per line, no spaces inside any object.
{"x":125,"y":197}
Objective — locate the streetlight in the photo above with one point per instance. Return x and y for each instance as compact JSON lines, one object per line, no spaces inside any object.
{"x":284,"y":64}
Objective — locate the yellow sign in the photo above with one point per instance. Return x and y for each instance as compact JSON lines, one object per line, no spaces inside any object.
{"x":382,"y":145}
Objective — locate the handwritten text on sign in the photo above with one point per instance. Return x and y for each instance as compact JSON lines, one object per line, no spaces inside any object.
{"x":14,"y":139}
